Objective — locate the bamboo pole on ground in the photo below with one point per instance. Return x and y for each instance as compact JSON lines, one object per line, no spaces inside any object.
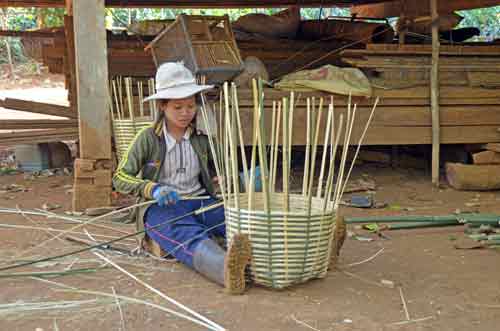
{"x":435,"y":92}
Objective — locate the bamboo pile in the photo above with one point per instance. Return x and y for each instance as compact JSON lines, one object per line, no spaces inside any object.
{"x":128,"y":113}
{"x":292,"y":235}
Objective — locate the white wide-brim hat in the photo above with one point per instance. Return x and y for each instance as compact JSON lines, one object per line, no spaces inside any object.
{"x":174,"y":81}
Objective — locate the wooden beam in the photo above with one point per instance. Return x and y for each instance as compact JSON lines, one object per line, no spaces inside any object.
{"x":192,"y":3}
{"x":436,"y":140}
{"x":415,"y":8}
{"x":37,"y":107}
{"x":92,"y":100}
{"x":17,"y":124}
{"x":92,"y":79}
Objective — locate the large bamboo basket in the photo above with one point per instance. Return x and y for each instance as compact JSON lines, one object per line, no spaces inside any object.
{"x":287,"y":247}
{"x":294,"y":237}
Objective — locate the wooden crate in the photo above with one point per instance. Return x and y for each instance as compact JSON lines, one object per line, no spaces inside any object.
{"x":205,"y":43}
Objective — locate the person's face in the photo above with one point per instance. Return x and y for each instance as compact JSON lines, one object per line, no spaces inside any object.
{"x":179,"y":112}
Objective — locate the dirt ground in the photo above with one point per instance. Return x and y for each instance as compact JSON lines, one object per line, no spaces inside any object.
{"x":443,"y":288}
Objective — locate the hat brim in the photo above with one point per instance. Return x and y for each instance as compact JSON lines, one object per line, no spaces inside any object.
{"x":179,"y":92}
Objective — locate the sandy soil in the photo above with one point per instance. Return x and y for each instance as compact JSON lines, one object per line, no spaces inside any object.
{"x":444,"y":288}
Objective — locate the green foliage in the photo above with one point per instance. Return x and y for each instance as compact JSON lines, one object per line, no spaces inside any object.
{"x":121,"y":17}
{"x":486,"y":19}
{"x":16,"y":49}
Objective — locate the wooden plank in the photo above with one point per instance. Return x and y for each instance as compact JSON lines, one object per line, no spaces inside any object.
{"x":35,"y":133}
{"x":473,"y":177}
{"x":492,"y":147}
{"x":412,"y":116}
{"x":92,"y":78}
{"x":37,"y":107}
{"x":380,"y":134}
{"x":435,"y":93}
{"x":452,"y":50}
{"x":445,"y":92}
{"x":36,"y":124}
{"x":419,"y":95}
{"x":46,"y":33}
{"x":415,"y":8}
{"x":486,"y":157}
{"x":464,"y":4}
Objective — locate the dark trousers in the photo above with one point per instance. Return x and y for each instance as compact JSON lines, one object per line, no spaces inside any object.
{"x":181,"y":237}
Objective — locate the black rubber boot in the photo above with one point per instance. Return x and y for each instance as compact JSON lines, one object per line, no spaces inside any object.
{"x":224,"y":268}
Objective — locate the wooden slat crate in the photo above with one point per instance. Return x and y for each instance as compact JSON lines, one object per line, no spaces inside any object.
{"x":205,"y":43}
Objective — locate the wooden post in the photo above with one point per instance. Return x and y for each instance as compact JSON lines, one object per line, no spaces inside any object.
{"x":93,"y":169}
{"x":435,"y":92}
{"x":69,"y":56}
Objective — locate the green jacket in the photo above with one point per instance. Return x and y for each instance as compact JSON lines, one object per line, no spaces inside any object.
{"x":139,"y":169}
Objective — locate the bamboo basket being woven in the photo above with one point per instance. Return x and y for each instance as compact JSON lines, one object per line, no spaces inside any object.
{"x":294,"y":236}
{"x":287,"y":247}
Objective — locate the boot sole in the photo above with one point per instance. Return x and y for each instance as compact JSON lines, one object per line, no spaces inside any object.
{"x":238,"y":256}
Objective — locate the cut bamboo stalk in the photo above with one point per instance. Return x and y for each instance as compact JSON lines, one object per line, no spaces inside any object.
{"x":331,"y":171}
{"x":141,"y":97}
{"x":213,"y":149}
{"x":290,"y":126}
{"x":231,"y":133}
{"x":115,"y":93}
{"x":143,"y":302}
{"x":251,"y":189}
{"x":157,"y":292}
{"x":345,"y":147}
{"x":240,"y":131}
{"x":360,"y":142}
{"x":314,"y":151}
{"x":276,"y":141}
{"x":272,"y":144}
{"x":152,"y":103}
{"x":120,"y":94}
{"x":308,"y":148}
{"x":264,"y":172}
{"x":130,"y":102}
{"x":285,"y":178}
{"x":325,"y":150}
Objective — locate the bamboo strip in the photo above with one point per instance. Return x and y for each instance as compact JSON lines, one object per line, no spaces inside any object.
{"x":276,"y":141}
{"x":308,"y":148}
{"x":154,"y":290}
{"x":325,"y":150}
{"x":361,"y":138}
{"x":272,"y":144}
{"x":240,"y":131}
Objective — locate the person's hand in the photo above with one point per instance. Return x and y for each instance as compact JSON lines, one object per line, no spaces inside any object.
{"x":165,"y":196}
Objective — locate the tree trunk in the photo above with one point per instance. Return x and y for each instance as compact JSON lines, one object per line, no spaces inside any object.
{"x":3,"y":26}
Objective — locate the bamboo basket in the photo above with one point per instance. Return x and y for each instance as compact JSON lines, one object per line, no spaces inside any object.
{"x":287,"y":247}
{"x":295,"y":237}
{"x":124,"y":131}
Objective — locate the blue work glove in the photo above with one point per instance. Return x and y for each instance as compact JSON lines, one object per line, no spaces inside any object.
{"x":257,"y":181}
{"x":165,"y":196}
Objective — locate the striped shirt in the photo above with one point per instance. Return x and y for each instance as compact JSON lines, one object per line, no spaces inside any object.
{"x":181,"y":167}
